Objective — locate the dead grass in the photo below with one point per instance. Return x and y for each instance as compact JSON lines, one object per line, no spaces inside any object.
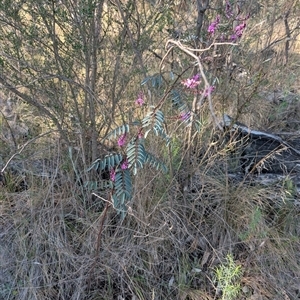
{"x":167,"y":248}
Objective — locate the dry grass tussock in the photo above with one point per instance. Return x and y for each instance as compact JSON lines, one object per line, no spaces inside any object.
{"x":168,"y":247}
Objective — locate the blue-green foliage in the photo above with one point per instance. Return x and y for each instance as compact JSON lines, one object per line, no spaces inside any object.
{"x":156,"y":81}
{"x":122,"y":192}
{"x":102,"y":185}
{"x":133,"y":157}
{"x":155,"y":162}
{"x":108,"y":162}
{"x":118,"y":131}
{"x":176,"y":99}
{"x":154,"y":120}
{"x":136,"y":154}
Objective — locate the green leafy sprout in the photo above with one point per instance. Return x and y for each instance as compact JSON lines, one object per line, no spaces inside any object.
{"x":227,"y":277}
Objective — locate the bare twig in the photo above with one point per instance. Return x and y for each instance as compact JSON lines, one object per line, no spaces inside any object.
{"x":206,"y":83}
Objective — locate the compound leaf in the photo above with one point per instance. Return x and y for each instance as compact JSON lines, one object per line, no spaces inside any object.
{"x":136,"y":155}
{"x":122,"y":191}
{"x":118,"y":131}
{"x":108,"y":162}
{"x":156,"y":80}
{"x":156,"y":163}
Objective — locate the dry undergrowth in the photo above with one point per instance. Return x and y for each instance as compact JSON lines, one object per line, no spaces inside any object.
{"x":166,"y":248}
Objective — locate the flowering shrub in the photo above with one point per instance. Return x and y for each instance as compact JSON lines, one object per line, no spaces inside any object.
{"x":227,"y":27}
{"x":131,"y":137}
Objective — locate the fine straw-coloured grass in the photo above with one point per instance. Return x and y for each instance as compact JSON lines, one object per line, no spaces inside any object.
{"x":166,"y":248}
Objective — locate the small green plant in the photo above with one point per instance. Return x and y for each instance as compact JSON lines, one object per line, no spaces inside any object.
{"x":228,"y":277}
{"x":254,"y":225}
{"x":290,"y":189}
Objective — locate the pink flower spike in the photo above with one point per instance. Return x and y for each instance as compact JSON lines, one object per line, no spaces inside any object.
{"x":139,"y":101}
{"x":140,"y":134}
{"x":233,"y":37}
{"x":240,"y":29}
{"x":196,"y":77}
{"x":209,"y":90}
{"x":184,"y":116}
{"x":112,"y":174}
{"x":124,"y":165}
{"x":213,"y":26}
{"x":121,"y":140}
{"x":191,"y":83}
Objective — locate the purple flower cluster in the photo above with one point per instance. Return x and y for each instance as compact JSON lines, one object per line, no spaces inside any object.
{"x":213,"y":26}
{"x":112,"y":174}
{"x":238,"y":31}
{"x":124,"y":164}
{"x":140,"y":100}
{"x":122,"y":140}
{"x":193,"y":82}
{"x":228,"y":10}
{"x":184,"y":116}
{"x":209,"y":90}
